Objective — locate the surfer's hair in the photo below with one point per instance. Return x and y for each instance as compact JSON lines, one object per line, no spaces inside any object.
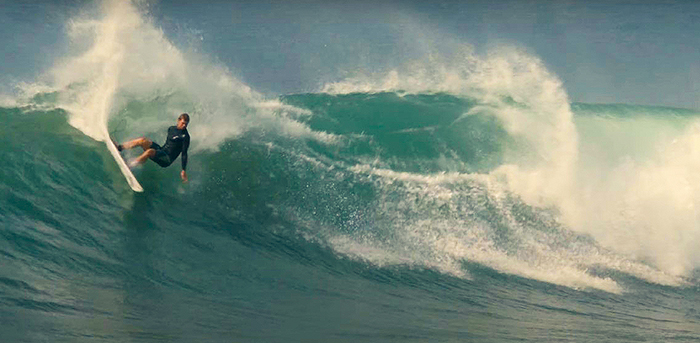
{"x":186,"y":116}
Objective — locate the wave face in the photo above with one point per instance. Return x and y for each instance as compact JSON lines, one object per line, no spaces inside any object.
{"x":461,"y":200}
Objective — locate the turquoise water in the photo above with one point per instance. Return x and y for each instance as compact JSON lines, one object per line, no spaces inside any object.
{"x":462,"y":201}
{"x":288,"y":240}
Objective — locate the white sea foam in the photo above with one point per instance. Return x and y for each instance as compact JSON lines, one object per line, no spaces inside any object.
{"x":433,"y":227}
{"x":643,"y":216}
{"x":121,"y":57}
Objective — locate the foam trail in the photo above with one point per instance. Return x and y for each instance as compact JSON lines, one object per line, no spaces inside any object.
{"x":127,"y":59}
{"x":90,"y":107}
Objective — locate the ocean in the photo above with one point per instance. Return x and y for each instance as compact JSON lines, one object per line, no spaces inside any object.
{"x":460,"y":200}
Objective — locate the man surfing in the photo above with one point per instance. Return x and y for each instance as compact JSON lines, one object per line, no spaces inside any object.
{"x":177,"y":141}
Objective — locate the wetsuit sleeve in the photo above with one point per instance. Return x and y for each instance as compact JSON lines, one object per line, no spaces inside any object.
{"x":185,"y":146}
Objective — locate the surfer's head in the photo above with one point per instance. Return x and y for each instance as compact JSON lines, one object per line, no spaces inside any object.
{"x":183,"y":120}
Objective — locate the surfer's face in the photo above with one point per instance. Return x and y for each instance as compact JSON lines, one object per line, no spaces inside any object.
{"x":182,"y":123}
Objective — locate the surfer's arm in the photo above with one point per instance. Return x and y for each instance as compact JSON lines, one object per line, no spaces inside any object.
{"x":185,"y":146}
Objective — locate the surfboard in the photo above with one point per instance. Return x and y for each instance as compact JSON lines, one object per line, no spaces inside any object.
{"x":130,"y":178}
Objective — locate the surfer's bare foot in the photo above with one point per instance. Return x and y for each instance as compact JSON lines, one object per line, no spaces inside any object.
{"x":133,"y":163}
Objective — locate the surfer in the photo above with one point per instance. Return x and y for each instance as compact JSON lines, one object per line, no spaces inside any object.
{"x":177,"y":141}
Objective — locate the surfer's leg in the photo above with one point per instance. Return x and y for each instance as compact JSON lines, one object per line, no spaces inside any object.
{"x":143,"y":142}
{"x":148,"y":153}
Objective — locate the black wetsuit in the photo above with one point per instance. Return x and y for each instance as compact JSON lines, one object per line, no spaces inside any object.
{"x":176,"y":142}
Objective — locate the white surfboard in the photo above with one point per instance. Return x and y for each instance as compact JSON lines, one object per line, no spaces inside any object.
{"x":130,"y":178}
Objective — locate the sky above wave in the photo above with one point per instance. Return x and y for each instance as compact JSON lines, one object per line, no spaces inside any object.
{"x":604,"y":52}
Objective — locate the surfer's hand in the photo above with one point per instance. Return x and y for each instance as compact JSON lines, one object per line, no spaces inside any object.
{"x":183,"y":174}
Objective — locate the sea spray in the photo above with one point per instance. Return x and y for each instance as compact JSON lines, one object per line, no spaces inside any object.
{"x":542,"y":169}
{"x":647,"y":208}
{"x":125,"y":73}
{"x":511,"y":85}
{"x":92,"y":78}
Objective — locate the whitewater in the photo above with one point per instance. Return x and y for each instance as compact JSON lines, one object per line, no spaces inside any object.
{"x":451,"y":198}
